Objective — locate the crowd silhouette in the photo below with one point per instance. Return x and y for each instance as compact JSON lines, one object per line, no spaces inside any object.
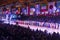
{"x":15,"y":32}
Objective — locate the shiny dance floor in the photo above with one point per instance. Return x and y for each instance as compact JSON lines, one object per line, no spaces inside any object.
{"x":49,"y":30}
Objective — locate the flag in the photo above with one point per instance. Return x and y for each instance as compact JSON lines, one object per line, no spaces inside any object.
{"x":7,"y":11}
{"x":43,"y":8}
{"x":37,"y":9}
{"x":4,"y":10}
{"x":24,"y":11}
{"x":17,"y":11}
{"x":32,"y":10}
{"x":51,"y":7}
{"x":58,"y":6}
{"x":13,"y":10}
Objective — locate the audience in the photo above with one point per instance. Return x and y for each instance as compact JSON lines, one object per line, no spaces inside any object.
{"x":13,"y":32}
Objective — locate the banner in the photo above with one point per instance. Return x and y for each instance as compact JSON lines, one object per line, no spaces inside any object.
{"x":4,"y":10}
{"x":51,"y":7}
{"x":24,"y":11}
{"x":13,"y":10}
{"x":17,"y":11}
{"x":43,"y":8}
{"x":32,"y":10}
{"x":7,"y":11}
{"x":37,"y":9}
{"x":58,"y":6}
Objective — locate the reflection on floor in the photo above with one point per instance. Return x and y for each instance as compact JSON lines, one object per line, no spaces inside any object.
{"x":49,"y":30}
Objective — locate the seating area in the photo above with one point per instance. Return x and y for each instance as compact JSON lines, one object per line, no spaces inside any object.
{"x":15,"y":32}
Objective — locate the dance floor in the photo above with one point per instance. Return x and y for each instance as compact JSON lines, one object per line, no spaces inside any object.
{"x":49,"y":30}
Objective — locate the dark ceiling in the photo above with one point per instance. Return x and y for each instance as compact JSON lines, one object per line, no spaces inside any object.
{"x":4,"y":2}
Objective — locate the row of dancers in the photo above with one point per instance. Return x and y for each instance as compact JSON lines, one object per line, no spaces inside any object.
{"x":40,"y":24}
